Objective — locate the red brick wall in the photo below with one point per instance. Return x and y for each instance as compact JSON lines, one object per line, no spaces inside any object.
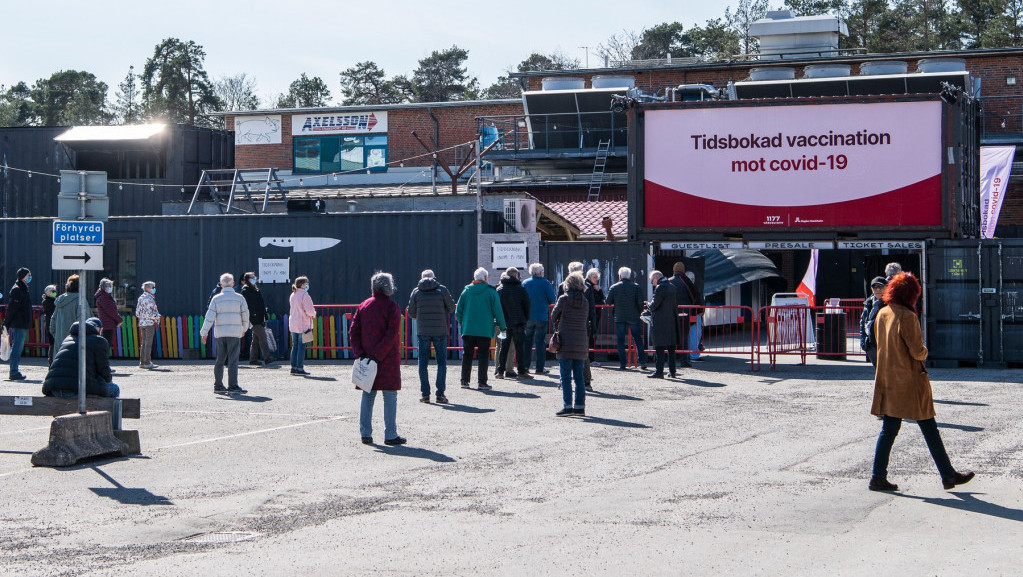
{"x":1012,"y":205}
{"x":457,"y":125}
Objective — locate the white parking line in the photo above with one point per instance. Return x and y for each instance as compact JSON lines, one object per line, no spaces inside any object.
{"x":328,"y":420}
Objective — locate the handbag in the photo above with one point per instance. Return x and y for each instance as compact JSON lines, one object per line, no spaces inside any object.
{"x":271,"y":342}
{"x":555,"y":345}
{"x":5,"y":346}
{"x":364,"y":372}
{"x":307,"y":337}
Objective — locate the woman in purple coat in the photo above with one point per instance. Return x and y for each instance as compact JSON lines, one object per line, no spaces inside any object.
{"x":374,"y":334}
{"x":106,"y":310}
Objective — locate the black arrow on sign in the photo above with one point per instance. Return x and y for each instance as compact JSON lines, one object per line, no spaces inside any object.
{"x":84,"y":258}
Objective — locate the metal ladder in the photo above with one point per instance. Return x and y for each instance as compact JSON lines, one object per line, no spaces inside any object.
{"x":597,"y":178}
{"x":230,"y":181}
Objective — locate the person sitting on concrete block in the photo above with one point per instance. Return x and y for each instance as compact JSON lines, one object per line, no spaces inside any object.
{"x":62,"y":378}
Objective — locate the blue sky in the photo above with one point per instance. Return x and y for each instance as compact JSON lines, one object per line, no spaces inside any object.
{"x":276,"y":41}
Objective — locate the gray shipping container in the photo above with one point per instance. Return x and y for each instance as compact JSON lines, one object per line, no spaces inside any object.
{"x":185,"y":255}
{"x":607,"y":257}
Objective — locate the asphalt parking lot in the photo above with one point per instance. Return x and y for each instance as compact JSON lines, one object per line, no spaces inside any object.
{"x":722,"y":471}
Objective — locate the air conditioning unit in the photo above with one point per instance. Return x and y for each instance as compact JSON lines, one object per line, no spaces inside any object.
{"x":519,"y":215}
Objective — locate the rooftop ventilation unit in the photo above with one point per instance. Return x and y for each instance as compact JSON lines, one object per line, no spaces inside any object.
{"x":520,"y":215}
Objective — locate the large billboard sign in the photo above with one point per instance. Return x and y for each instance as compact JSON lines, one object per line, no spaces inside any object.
{"x":819,"y":166}
{"x":339,"y":123}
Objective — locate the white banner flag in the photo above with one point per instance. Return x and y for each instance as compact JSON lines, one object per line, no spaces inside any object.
{"x":995,"y":166}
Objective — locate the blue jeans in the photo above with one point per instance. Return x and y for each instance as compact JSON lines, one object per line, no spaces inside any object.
{"x":390,"y":414}
{"x":695,"y":332}
{"x":536,"y":336}
{"x":636,"y":328}
{"x":297,"y":352}
{"x":113,"y":391}
{"x":572,"y":369}
{"x":17,"y":344}
{"x":440,"y":346}
{"x":886,"y":439}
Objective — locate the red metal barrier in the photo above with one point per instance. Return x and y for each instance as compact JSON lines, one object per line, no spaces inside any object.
{"x":787,"y":332}
{"x":723,"y":330}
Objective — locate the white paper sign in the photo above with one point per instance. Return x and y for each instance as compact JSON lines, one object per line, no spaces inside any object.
{"x":274,"y":270}
{"x":508,"y":254}
{"x":263,"y":129}
{"x":23,"y":401}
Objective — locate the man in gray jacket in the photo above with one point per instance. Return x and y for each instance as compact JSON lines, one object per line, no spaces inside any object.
{"x":228,"y":316}
{"x":431,"y":306}
{"x":627,"y":300}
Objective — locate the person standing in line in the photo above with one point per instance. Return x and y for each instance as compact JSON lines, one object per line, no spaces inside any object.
{"x":664,"y":332}
{"x":216,"y":290}
{"x":685,"y":297}
{"x":477,"y":310}
{"x":149,"y":320}
{"x":891,"y":269}
{"x":431,"y":306}
{"x":571,"y":320}
{"x":228,"y":316}
{"x":599,"y":300}
{"x":374,"y":334}
{"x":300,"y":321}
{"x":65,"y":312}
{"x":515,"y":306}
{"x":541,"y":296}
{"x":257,"y":318}
{"x":576,"y":266}
{"x":626,"y":301}
{"x":49,"y":305}
{"x":871,"y":306}
{"x":696,"y":328}
{"x":62,"y":377}
{"x":18,"y":320}
{"x":902,"y":389}
{"x":106,"y":310}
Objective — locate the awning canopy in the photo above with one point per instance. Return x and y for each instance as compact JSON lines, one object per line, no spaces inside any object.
{"x":728,"y":267}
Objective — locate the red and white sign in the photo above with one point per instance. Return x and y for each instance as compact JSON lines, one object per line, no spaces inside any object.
{"x":339,"y":123}
{"x":800,"y":166}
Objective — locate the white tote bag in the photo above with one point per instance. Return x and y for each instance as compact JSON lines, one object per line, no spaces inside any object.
{"x":5,"y":347}
{"x":364,"y":372}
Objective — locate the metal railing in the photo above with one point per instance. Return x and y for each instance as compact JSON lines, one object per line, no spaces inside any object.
{"x":553,"y":132}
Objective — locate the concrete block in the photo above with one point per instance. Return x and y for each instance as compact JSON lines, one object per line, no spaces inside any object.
{"x":76,"y":437}
{"x":130,"y":438}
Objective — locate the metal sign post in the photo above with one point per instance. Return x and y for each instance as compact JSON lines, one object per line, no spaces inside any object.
{"x":78,"y":244}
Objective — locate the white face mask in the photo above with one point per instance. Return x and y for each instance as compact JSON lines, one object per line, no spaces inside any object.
{"x":110,"y":289}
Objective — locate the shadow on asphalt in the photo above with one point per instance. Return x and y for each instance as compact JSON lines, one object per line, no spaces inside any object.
{"x":415,"y":452}
{"x":249,"y":398}
{"x":967,"y":502}
{"x":601,"y":395}
{"x":127,"y":495}
{"x":464,"y":408}
{"x":312,"y":378}
{"x":15,"y":452}
{"x":496,"y":393}
{"x":967,"y":428}
{"x":698,"y":383}
{"x":613,"y":422}
{"x":960,"y":403}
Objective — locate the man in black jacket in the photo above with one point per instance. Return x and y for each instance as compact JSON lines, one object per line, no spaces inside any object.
{"x":431,"y":306}
{"x":18,"y":320}
{"x":257,"y":317}
{"x":62,"y":378}
{"x":627,"y":299}
{"x":685,"y":297}
{"x":515,"y":305}
{"x":871,"y":306}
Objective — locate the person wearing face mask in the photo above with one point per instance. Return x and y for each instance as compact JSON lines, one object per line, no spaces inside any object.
{"x":18,"y":320}
{"x":300,"y":320}
{"x":49,"y":300}
{"x":149,"y":320}
{"x":257,"y":316}
{"x":106,"y":310}
{"x":65,"y":311}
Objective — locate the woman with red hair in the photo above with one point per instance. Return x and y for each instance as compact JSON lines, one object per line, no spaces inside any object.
{"x":902,"y":389}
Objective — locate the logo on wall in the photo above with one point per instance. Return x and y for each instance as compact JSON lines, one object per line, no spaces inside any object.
{"x":257,"y":130}
{"x":300,"y":243}
{"x":362,"y":123}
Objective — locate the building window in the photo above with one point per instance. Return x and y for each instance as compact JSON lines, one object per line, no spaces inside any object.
{"x":322,"y":154}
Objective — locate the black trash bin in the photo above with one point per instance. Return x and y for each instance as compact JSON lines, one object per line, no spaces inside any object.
{"x":831,"y":341}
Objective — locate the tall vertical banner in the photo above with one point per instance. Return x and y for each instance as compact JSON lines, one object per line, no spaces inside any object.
{"x":808,"y":287}
{"x":995,"y":166}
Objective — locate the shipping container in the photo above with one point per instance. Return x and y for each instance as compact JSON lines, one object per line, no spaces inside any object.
{"x":827,"y":167}
{"x":185,"y":255}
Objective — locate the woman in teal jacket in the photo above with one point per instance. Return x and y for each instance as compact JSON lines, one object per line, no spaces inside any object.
{"x":477,"y":311}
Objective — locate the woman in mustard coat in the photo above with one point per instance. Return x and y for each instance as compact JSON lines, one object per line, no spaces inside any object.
{"x":902,"y":389}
